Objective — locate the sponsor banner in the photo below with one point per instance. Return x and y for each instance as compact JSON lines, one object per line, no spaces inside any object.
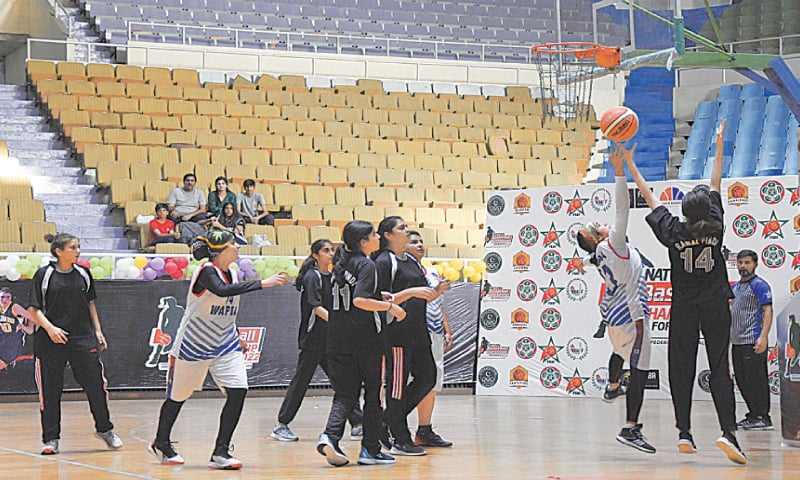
{"x":787,"y":356}
{"x":537,"y":303}
{"x":140,"y":321}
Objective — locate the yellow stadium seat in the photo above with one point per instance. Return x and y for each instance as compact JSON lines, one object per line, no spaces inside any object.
{"x":157,"y":191}
{"x":350,"y":196}
{"x":406,"y":213}
{"x":255,"y":157}
{"x":431,"y":218}
{"x":24,"y":209}
{"x":412,"y":197}
{"x":303,"y":174}
{"x":337,"y":215}
{"x":322,"y":231}
{"x":292,"y":235}
{"x":345,"y":160}
{"x":391,"y":177}
{"x":185,"y":77}
{"x":144,"y":172}
{"x":112,"y":170}
{"x":172,"y":248}
{"x":135,"y":208}
{"x":124,"y":190}
{"x":368,"y":213}
{"x":117,"y":136}
{"x":93,"y":104}
{"x":320,"y":195}
{"x":287,"y":195}
{"x":333,"y":177}
{"x":372,"y":160}
{"x":162,"y":155}
{"x":448,"y":237}
{"x":33,"y":231}
{"x":277,"y":250}
{"x":111,"y":89}
{"x":9,"y":231}
{"x":381,"y":196}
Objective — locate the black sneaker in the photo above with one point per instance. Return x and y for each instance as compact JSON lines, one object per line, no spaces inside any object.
{"x":728,"y":444}
{"x":611,"y":393}
{"x":632,"y":437}
{"x":165,"y":454}
{"x":407,"y":449}
{"x":426,"y":437}
{"x":757,"y":423}
{"x":743,"y":422}
{"x":601,"y":331}
{"x":384,"y":438}
{"x":686,"y":443}
{"x":331,"y":451}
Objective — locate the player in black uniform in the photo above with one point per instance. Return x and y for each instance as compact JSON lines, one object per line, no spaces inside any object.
{"x":314,"y":283}
{"x":61,"y":301}
{"x":354,"y":344}
{"x":15,"y":322}
{"x":700,"y":294}
{"x":408,"y":343}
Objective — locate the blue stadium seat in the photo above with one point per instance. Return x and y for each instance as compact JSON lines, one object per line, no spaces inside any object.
{"x":752,"y":90}
{"x":772,"y":156}
{"x":727,"y":92}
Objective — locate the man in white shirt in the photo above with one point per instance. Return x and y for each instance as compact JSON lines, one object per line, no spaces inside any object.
{"x":187,"y":204}
{"x":250,"y":202}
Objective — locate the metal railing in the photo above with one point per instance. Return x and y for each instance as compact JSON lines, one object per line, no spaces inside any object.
{"x":241,"y":35}
{"x":58,"y":7}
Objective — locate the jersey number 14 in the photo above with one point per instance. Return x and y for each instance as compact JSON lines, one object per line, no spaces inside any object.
{"x":704,"y":261}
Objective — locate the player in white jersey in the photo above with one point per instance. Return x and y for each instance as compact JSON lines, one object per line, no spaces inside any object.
{"x":624,"y":305}
{"x":208,"y":342}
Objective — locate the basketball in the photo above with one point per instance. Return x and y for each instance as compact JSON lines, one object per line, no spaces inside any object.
{"x":619,"y":124}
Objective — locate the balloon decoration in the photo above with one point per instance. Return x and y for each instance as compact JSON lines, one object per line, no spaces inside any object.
{"x":455,"y":270}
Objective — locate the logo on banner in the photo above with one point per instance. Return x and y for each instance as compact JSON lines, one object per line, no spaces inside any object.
{"x":601,"y":200}
{"x":488,"y":376}
{"x":794,"y":285}
{"x":522,"y":204}
{"x":550,"y":377}
{"x":577,"y":290}
{"x":550,"y":351}
{"x":771,"y":192}
{"x":574,"y":263}
{"x":552,"y":202}
{"x":486,"y":349}
{"x":795,"y":260}
{"x":526,"y":290}
{"x":550,"y":294}
{"x":704,"y":381}
{"x":794,"y":199}
{"x":521,"y":262}
{"x":774,"y":382}
{"x":572,"y":233}
{"x":773,"y":227}
{"x":170,"y":315}
{"x":493,"y":262}
{"x":518,"y":377}
{"x":671,"y":196}
{"x":494,"y":294}
{"x":526,"y":348}
{"x":600,"y":378}
{"x":745,"y":225}
{"x":773,"y":256}
{"x":253,"y":337}
{"x":490,"y":319}
{"x":550,"y":319}
{"x":577,"y":348}
{"x":552,"y":236}
{"x":738,"y":194}
{"x":497,"y":239}
{"x":496,"y":205}
{"x":551,"y":261}
{"x":653,"y":381}
{"x":772,"y":355}
{"x":576,"y":383}
{"x":519,"y":319}
{"x":575,"y":206}
{"x":797,"y":224}
{"x":528,"y":236}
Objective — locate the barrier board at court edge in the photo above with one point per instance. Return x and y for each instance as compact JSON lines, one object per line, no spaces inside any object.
{"x":538,"y":312}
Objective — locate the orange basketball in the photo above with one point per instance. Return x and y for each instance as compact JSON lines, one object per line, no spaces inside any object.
{"x":619,"y":124}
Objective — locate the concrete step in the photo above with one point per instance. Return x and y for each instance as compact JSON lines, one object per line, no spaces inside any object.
{"x":46,"y":163}
{"x":6,"y":87}
{"x":75,"y":173}
{"x":29,"y":136}
{"x":27,"y":112}
{"x":47,"y":186}
{"x":21,"y":144}
{"x":103,"y":245}
{"x":14,"y":95}
{"x":69,"y":199}
{"x":83,"y":231}
{"x":86,"y":220}
{"x":31,"y":157}
{"x":9,"y":130}
{"x":9,"y":104}
{"x":87,"y":210}
{"x":22,"y":120}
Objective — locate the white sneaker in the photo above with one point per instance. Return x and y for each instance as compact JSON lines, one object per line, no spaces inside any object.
{"x":225,"y":462}
{"x":50,"y":448}
{"x":165,"y":454}
{"x":113,"y":442}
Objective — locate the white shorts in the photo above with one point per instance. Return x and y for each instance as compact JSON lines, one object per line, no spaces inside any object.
{"x":631,"y":341}
{"x":437,"y":349}
{"x":185,"y":377}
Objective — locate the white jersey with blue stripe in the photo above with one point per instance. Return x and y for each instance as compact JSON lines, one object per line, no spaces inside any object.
{"x":208,"y":329}
{"x":625,"y":296}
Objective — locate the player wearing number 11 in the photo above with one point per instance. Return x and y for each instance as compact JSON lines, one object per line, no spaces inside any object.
{"x":700,"y":294}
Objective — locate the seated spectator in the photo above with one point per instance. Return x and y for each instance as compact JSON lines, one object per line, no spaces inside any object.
{"x":231,"y":221}
{"x":250,"y":202}
{"x":162,"y":229}
{"x":219,"y":196}
{"x":187,"y":204}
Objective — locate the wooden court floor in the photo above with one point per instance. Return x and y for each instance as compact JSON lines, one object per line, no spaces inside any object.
{"x":495,"y":438}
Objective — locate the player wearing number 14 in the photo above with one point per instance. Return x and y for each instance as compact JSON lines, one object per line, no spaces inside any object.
{"x":700,"y":293}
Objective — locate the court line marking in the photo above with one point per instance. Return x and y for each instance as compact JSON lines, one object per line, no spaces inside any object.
{"x":76,"y":464}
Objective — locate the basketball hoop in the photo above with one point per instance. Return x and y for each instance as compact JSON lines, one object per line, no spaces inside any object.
{"x":565,"y":75}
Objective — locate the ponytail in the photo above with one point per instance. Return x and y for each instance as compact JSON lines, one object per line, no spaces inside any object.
{"x":309,"y":262}
{"x":352,"y":234}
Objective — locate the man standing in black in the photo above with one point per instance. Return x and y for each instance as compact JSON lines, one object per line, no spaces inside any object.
{"x":700,"y":294}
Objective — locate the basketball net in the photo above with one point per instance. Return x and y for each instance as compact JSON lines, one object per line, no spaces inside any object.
{"x":559,"y":65}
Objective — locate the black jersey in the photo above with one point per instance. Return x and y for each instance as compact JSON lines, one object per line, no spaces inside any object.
{"x":396,"y":274}
{"x":64,"y":298}
{"x":698,"y":268}
{"x":351,"y":329}
{"x":316,"y":292}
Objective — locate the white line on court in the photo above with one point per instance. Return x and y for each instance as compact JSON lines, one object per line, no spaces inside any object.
{"x":77,"y":464}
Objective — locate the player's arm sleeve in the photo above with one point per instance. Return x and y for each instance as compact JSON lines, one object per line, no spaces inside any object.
{"x":365,"y":280}
{"x":209,"y":280}
{"x":663,"y":223}
{"x":717,"y":212}
{"x":313,"y":288}
{"x":621,"y":211}
{"x":384,"y":268}
{"x":763,"y":292}
{"x":35,"y":299}
{"x":91,"y":294}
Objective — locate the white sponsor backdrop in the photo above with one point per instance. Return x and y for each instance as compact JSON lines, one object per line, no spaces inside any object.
{"x":538,"y":313}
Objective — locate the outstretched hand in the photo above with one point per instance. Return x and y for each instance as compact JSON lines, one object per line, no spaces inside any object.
{"x":618,"y":155}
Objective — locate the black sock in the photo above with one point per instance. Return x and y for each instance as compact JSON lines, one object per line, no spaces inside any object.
{"x":229,"y":418}
{"x":166,"y":419}
{"x":615,"y":364}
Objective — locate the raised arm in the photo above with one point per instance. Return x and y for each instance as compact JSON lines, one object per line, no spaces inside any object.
{"x":649,"y":196}
{"x":716,"y":172}
{"x":616,"y":236}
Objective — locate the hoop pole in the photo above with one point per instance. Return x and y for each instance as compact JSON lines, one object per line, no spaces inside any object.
{"x":714,"y":24}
